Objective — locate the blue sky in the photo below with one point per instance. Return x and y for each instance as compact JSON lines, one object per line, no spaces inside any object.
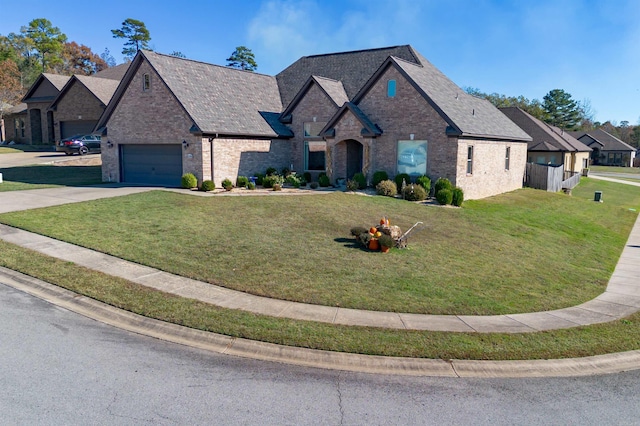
{"x":589,"y":48}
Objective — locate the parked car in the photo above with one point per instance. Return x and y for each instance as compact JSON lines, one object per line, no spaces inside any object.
{"x":81,"y":144}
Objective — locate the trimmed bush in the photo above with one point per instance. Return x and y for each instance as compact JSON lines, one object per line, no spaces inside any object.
{"x":285,"y":172}
{"x":352,"y":185}
{"x":251,"y":186}
{"x":259,"y":178}
{"x":271,"y":180}
{"x":313,"y":185}
{"x":277,"y":187}
{"x":189,"y":181}
{"x":361,"y":179}
{"x":227,"y":184}
{"x":207,"y":186}
{"x":413,"y":192}
{"x":324,"y":181}
{"x":387,"y":188}
{"x":444,"y":196}
{"x":293,"y":180}
{"x":378,"y":177}
{"x":307,"y":176}
{"x":271,"y":171}
{"x":242,"y":181}
{"x":400,"y":177}
{"x":425,"y":182}
{"x":442,"y":183}
{"x":457,"y":196}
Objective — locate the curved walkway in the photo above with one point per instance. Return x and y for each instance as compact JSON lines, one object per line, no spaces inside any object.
{"x":621,"y":298}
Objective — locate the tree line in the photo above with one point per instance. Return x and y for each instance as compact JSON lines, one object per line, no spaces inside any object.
{"x":559,"y":109}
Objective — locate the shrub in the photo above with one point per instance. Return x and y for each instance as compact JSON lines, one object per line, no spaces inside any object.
{"x":251,"y":186}
{"x":444,"y":196}
{"x":227,"y":184}
{"x":271,"y":171}
{"x":293,"y":180}
{"x":386,"y":241}
{"x":313,"y":185}
{"x":260,"y":178}
{"x":271,"y":180}
{"x":285,"y":172}
{"x":387,"y":188}
{"x":414,"y":192}
{"x":400,"y":177}
{"x":242,"y":181}
{"x":189,"y":181}
{"x":442,"y":183}
{"x":357,"y":230}
{"x":277,"y":187}
{"x":208,"y":185}
{"x":457,"y":196}
{"x":324,"y":181}
{"x":303,"y":180}
{"x":307,"y":176}
{"x":352,"y":185}
{"x":424,"y":182}
{"x":361,"y":179}
{"x":379,"y":176}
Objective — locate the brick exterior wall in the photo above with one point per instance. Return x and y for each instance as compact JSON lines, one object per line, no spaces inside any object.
{"x":348,"y":128}
{"x":77,"y":104}
{"x":314,"y":104}
{"x":149,"y":117}
{"x":400,"y":116}
{"x":489,"y":176}
{"x":11,"y":132}
{"x":246,"y":157}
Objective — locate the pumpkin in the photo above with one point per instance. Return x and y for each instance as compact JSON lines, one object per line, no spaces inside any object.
{"x":373,"y":230}
{"x":377,"y":234}
{"x":388,"y":222}
{"x":383,"y":221}
{"x":374,"y":245}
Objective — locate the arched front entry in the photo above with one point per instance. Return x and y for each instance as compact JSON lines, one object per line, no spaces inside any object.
{"x":354,"y":157}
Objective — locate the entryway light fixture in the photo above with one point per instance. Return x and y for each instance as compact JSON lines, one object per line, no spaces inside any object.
{"x":109,"y":144}
{"x":185,"y":144}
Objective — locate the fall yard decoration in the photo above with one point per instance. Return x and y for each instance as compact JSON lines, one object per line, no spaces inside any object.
{"x":380,"y":237}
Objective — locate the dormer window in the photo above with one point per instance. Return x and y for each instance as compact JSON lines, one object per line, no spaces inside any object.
{"x":146,"y":82}
{"x":391,"y":88}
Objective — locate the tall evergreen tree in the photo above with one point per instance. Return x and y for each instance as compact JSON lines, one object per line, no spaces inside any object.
{"x":242,"y":58}
{"x":136,"y":34}
{"x":561,"y":110}
{"x":47,"y":41}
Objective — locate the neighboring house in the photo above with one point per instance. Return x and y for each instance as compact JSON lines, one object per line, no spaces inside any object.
{"x":15,"y":124}
{"x":550,"y":145}
{"x":340,"y":114}
{"x":43,"y":127}
{"x":607,"y":149}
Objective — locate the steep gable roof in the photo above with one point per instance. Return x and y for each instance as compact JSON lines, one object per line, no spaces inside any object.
{"x":334,"y":90}
{"x":113,"y":73}
{"x":353,"y":69}
{"x":369,"y":128}
{"x":466,"y":115}
{"x":545,"y":137}
{"x":55,"y":80}
{"x":606,"y":140}
{"x":102,"y":88}
{"x":219,"y":100}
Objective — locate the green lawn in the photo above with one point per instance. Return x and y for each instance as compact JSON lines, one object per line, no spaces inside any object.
{"x":613,"y":169}
{"x":524,"y":251}
{"x":48,"y":176}
{"x":7,"y":150}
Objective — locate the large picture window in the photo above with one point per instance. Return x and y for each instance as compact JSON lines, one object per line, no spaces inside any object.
{"x":314,"y":155}
{"x":412,"y":157}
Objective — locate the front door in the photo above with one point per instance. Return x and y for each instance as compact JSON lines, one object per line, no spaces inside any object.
{"x":354,"y":158}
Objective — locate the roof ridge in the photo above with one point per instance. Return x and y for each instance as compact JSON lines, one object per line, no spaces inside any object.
{"x":358,"y":51}
{"x":204,"y":63}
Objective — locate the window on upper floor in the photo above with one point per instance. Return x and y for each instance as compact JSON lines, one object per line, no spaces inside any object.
{"x":146,"y":82}
{"x":391,"y":88}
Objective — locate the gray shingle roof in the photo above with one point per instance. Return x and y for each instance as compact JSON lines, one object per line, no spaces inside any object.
{"x":545,"y":137}
{"x":58,"y":81}
{"x":607,"y":140}
{"x":220,"y":99}
{"x":353,"y":69}
{"x":335,"y":89}
{"x":472,"y":116}
{"x":113,"y":73}
{"x":102,"y":88}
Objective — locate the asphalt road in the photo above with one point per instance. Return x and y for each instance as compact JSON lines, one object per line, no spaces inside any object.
{"x":57,"y":367}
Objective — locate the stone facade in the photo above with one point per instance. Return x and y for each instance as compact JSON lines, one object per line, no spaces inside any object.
{"x":151,"y":116}
{"x":78,"y":104}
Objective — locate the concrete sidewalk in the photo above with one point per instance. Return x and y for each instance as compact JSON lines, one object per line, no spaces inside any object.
{"x":621,"y":298}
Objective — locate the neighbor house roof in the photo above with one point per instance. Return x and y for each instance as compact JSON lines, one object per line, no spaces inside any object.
{"x":113,"y":73}
{"x":102,"y":88}
{"x":353,"y":69}
{"x":466,"y":115}
{"x":545,"y":136}
{"x":606,"y":141}
{"x":219,"y":100}
{"x":58,"y":81}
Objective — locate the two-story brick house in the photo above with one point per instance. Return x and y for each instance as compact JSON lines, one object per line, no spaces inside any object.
{"x":380,"y":109}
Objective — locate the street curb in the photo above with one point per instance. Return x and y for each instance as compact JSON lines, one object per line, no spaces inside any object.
{"x":213,"y":342}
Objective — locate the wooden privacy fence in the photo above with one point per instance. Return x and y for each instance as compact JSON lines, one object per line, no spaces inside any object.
{"x":549,"y":178}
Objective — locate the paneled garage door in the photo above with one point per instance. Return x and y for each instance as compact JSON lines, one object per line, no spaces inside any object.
{"x":151,"y":164}
{"x":72,"y":128}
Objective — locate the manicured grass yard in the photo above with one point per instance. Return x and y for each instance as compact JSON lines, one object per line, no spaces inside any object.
{"x":48,"y":176}
{"x":613,"y":169}
{"x":519,"y":252}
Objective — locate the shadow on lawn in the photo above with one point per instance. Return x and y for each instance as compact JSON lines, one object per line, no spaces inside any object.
{"x":54,"y":175}
{"x":350,"y":243}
